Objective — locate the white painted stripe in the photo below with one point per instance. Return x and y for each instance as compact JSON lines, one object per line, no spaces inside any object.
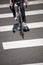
{"x":33,"y":64}
{"x":29,"y":3}
{"x":30,"y":25}
{"x":35,"y":12}
{"x":6,"y":28}
{"x":6,"y":15}
{"x":22,"y":44}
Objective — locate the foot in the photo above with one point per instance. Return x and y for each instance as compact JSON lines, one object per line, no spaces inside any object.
{"x":24,"y":24}
{"x":15,"y":17}
{"x":25,"y":27}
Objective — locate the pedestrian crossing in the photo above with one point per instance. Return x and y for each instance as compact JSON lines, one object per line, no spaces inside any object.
{"x":33,"y":64}
{"x":30,"y":3}
{"x":30,"y":26}
{"x":27,"y":13}
{"x":22,"y":44}
{"x":33,"y":39}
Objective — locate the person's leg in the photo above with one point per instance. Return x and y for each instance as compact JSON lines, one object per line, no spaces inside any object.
{"x":22,"y":11}
{"x":25,"y":27}
{"x":13,"y":8}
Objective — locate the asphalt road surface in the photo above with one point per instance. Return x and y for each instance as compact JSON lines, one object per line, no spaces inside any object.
{"x":13,"y":49}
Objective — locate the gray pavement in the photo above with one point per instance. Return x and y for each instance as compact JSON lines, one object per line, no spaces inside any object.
{"x":24,"y":55}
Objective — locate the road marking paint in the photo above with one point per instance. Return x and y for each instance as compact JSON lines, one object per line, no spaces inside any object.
{"x":33,"y":64}
{"x":35,"y":12}
{"x":30,"y":25}
{"x":29,"y":3}
{"x":22,"y":44}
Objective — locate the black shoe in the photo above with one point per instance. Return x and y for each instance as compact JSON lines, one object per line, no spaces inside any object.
{"x":14,"y":28}
{"x":25,"y":29}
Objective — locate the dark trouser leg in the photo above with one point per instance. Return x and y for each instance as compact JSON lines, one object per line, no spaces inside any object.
{"x":22,"y":11}
{"x":13,"y":9}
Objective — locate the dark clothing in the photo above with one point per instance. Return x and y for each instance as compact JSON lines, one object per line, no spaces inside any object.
{"x":21,"y":8}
